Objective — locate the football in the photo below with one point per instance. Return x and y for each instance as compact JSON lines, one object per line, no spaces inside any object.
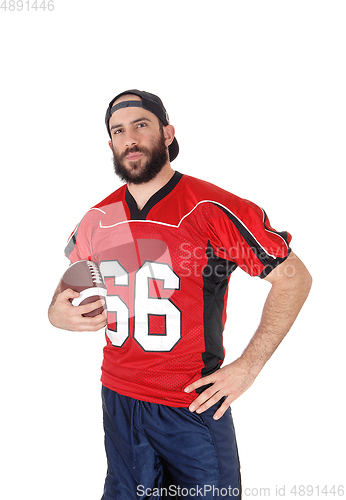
{"x":84,"y":277}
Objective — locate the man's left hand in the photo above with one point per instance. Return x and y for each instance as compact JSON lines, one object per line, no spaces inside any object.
{"x":230,"y":382}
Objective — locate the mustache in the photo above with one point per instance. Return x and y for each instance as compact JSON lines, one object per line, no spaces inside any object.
{"x":133,"y":149}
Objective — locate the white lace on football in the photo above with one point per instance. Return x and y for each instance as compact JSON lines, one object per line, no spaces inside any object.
{"x":95,"y":272}
{"x":89,"y":292}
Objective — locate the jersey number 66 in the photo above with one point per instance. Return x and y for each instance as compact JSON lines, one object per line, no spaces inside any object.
{"x":144,"y":306}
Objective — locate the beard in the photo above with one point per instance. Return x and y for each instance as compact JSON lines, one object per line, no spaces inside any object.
{"x":144,"y":169}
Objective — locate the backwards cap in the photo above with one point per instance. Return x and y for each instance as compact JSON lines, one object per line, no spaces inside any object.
{"x":151,"y":103}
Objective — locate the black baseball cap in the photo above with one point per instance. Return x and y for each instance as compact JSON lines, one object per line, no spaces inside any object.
{"x":151,"y":103}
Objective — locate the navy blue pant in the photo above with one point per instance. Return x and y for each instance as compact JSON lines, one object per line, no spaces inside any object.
{"x":162,"y":452}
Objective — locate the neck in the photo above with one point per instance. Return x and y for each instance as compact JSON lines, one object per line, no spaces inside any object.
{"x":143,"y":192}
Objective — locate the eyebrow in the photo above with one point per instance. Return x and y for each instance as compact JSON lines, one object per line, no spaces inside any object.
{"x":118,"y":125}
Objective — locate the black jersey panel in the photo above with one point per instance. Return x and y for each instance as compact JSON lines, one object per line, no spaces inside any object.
{"x":215,"y":282}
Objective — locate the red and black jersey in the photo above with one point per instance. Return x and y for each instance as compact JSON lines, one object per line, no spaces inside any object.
{"x":167,"y":269}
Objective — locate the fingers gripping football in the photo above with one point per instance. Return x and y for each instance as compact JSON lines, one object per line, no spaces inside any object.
{"x":62,"y":314}
{"x":79,"y":299}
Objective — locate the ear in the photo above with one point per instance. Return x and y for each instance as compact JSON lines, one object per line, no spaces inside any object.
{"x":110,"y":145}
{"x":168,"y":132}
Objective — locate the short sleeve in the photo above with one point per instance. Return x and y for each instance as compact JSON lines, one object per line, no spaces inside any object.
{"x":241,"y":233}
{"x":79,"y":245}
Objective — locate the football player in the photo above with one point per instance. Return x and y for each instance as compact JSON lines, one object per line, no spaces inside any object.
{"x":167,"y":244}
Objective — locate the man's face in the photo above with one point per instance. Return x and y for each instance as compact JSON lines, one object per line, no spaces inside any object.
{"x":138,"y":143}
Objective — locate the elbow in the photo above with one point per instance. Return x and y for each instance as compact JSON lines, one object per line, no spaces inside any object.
{"x":299,"y":275}
{"x":309,"y":280}
{"x":306,"y":282}
{"x":296,"y":279}
{"x":301,"y":283}
{"x":291,"y":277}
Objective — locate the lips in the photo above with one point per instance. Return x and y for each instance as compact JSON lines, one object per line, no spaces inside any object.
{"x":134,"y":156}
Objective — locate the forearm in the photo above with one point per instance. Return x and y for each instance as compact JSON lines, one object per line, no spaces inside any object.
{"x":284,"y":301}
{"x":56,"y":293}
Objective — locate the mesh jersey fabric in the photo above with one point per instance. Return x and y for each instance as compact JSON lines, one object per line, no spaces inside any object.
{"x":167,"y":269}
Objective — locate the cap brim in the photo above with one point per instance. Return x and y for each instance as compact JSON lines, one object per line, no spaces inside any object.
{"x":173,"y":149}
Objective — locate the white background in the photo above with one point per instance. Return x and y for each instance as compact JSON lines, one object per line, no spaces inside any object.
{"x":256,"y":91}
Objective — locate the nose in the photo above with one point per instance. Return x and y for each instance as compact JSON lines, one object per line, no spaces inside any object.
{"x":130,"y":139}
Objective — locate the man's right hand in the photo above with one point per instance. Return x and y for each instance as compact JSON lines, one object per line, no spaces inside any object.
{"x":62,"y":314}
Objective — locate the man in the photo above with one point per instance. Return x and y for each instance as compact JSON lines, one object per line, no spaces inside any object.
{"x":166,"y":244}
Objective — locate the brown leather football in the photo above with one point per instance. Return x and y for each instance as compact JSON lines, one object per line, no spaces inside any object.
{"x":84,"y":277}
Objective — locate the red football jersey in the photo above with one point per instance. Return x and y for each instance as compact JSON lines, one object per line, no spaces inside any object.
{"x":167,"y":269}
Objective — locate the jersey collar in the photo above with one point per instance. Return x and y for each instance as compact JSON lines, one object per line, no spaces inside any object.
{"x":137,"y":214}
